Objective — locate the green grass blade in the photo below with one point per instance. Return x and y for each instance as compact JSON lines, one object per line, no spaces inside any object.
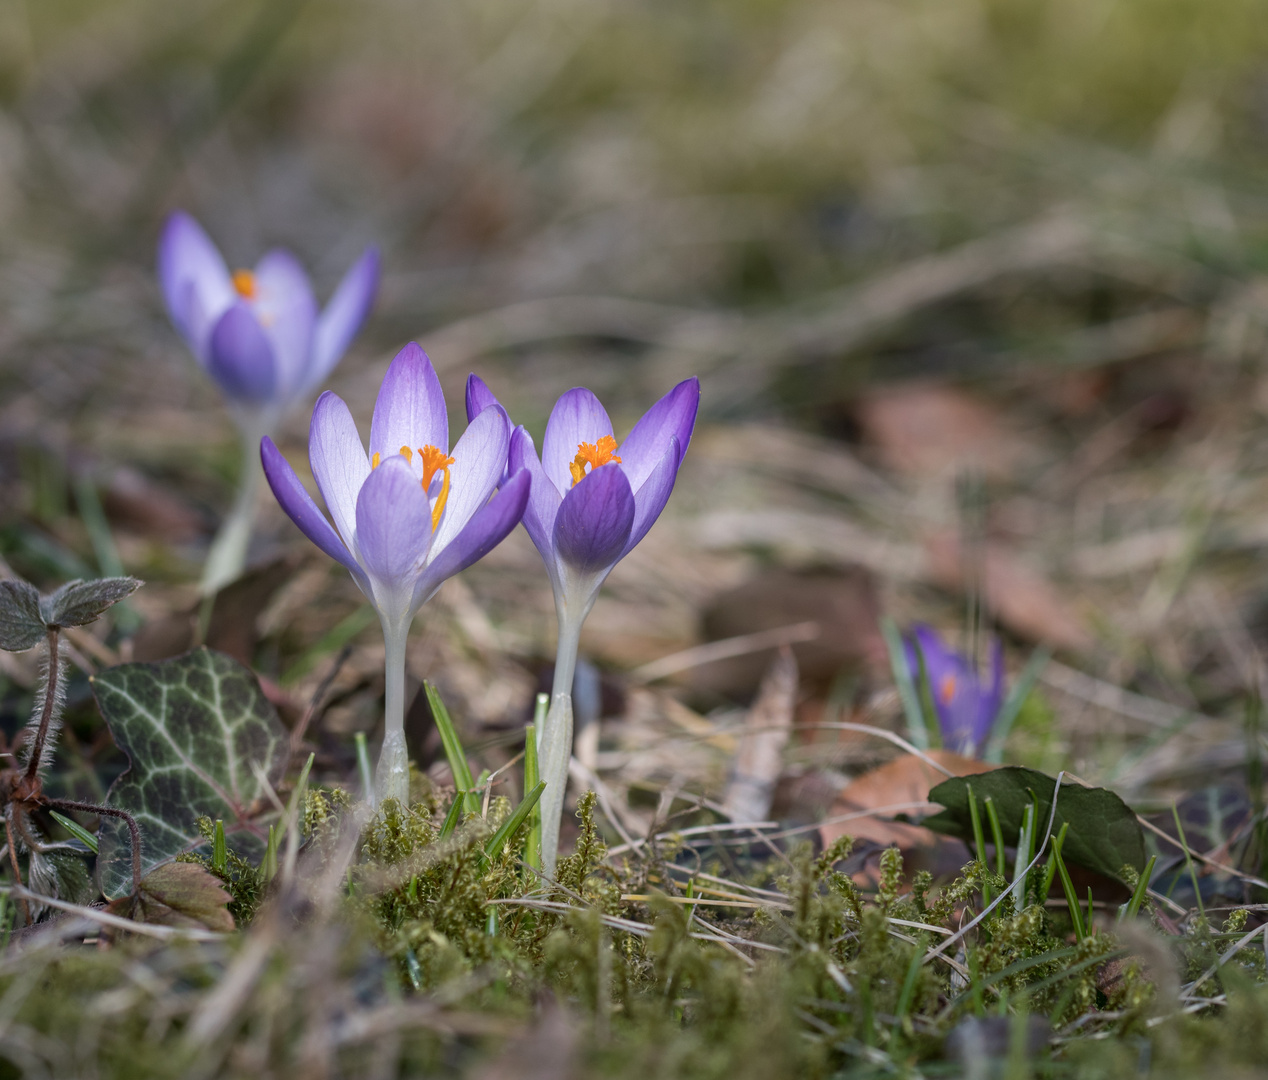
{"x":917,"y":729}
{"x":1011,"y":708}
{"x":498,"y":840}
{"x":1188,"y":861}
{"x":219,"y":849}
{"x":909,"y":983}
{"x":1050,"y":871}
{"x":979,"y":838}
{"x":454,"y":816}
{"x":76,"y":830}
{"x":997,"y":834}
{"x":453,"y":749}
{"x":1071,"y":897}
{"x":532,"y":776}
{"x":1142,"y":887}
{"x":363,"y":767}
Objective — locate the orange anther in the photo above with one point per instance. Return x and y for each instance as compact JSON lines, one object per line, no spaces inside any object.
{"x":946,"y":690}
{"x":433,"y":459}
{"x":244,"y":284}
{"x":593,"y":454}
{"x":407,"y":454}
{"x":374,"y":461}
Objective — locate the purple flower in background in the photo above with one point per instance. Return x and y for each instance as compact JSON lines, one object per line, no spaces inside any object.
{"x":407,"y":515}
{"x":258,"y":332}
{"x":966,"y":704}
{"x":592,"y":500}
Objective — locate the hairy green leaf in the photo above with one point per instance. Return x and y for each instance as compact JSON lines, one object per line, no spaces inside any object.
{"x":1104,"y":834}
{"x":191,"y":728}
{"x":21,"y":625}
{"x":80,"y":602}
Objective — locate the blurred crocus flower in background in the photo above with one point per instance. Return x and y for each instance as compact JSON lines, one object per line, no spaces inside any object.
{"x":966,"y":703}
{"x":407,"y":515}
{"x":592,"y":500}
{"x":259,"y":334}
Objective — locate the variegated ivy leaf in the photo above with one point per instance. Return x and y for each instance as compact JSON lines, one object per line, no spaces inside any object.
{"x":191,"y":727}
{"x":80,"y":602}
{"x":21,"y":625}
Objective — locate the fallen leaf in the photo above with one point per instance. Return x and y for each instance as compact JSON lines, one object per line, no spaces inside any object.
{"x":932,"y":429}
{"x":181,"y":894}
{"x":1018,"y":596}
{"x":844,"y":604}
{"x":759,"y":758}
{"x":899,"y":787}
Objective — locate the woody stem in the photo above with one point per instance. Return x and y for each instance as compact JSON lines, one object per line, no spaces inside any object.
{"x":109,"y":811}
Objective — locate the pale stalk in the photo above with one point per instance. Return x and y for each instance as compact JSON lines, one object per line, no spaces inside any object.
{"x":554,"y":737}
{"x":391,"y":777}
{"x":227,"y":555}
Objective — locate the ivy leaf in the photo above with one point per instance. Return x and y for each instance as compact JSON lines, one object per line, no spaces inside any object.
{"x":80,"y":602}
{"x":179,"y":894}
{"x":191,"y":727}
{"x":1104,"y":834}
{"x":21,"y":625}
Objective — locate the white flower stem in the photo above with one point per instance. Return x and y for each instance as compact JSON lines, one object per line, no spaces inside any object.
{"x":227,"y":555}
{"x":554,"y":738}
{"x":391,"y":778}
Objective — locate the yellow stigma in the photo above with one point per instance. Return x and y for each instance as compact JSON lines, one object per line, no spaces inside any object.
{"x":947,"y":690}
{"x":595,"y":454}
{"x":244,"y":284}
{"x":435,"y":460}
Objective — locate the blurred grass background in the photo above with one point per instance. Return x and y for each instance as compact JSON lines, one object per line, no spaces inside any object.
{"x":1058,"y":204}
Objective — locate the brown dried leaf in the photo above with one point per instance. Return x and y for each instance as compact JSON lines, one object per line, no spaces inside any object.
{"x":901,"y":786}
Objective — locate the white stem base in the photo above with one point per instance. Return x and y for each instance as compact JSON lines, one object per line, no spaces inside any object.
{"x":554,"y":748}
{"x":391,"y":777}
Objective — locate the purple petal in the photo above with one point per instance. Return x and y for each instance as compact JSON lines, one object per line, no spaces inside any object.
{"x":344,"y":314}
{"x":478,"y":466}
{"x":673,"y":416}
{"x":338,"y":461}
{"x":650,"y":499}
{"x":300,"y":508}
{"x":487,"y":528}
{"x":190,"y":264}
{"x":287,"y":311}
{"x":576,"y":418}
{"x":594,"y":520}
{"x":992,"y":698}
{"x":240,"y":357}
{"x":393,"y":524}
{"x":543,"y":500}
{"x":479,"y":397}
{"x":410,"y":410}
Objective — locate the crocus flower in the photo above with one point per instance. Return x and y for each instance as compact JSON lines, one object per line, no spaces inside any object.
{"x":966,"y":704}
{"x":592,"y":500}
{"x":406,"y":515}
{"x":258,"y":332}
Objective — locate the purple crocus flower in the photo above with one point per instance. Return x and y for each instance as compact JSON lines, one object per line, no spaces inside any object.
{"x":258,"y":332}
{"x":966,"y":704}
{"x":406,"y":515}
{"x":592,"y":500}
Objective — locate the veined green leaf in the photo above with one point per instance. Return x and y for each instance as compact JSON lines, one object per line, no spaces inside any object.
{"x":190,"y":726}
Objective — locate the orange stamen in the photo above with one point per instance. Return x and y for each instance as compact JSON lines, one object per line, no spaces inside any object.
{"x":244,"y":284}
{"x":946,"y":691}
{"x":594,"y":454}
{"x":374,"y":461}
{"x":407,"y":454}
{"x":436,"y":460}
